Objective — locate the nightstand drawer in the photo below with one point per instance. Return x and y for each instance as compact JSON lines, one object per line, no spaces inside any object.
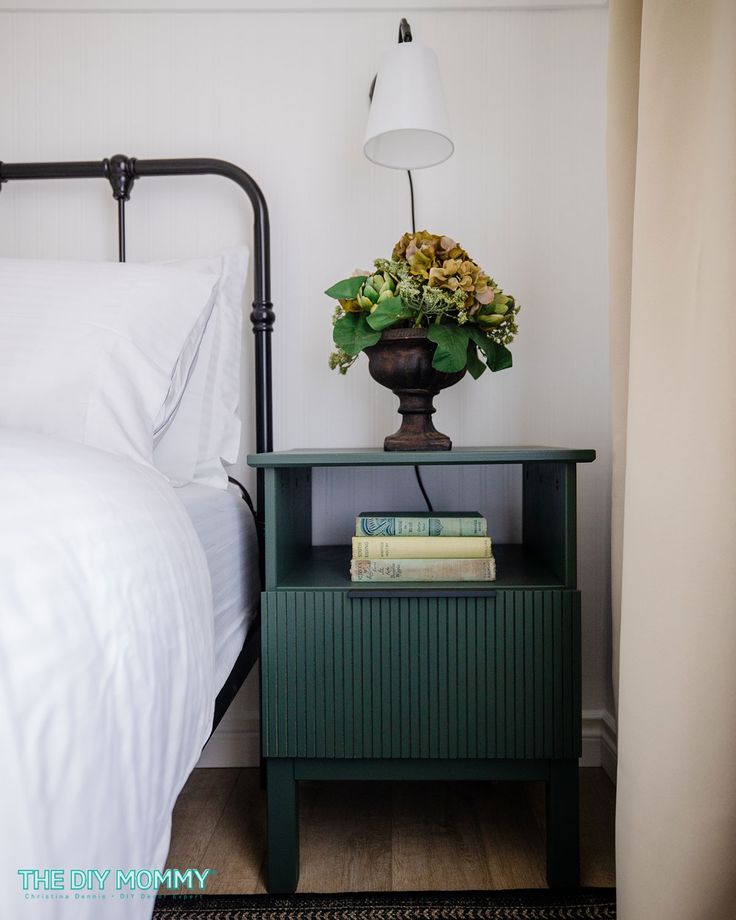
{"x":425,"y":676}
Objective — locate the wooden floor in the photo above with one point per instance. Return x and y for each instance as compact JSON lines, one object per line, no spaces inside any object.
{"x":388,"y":836}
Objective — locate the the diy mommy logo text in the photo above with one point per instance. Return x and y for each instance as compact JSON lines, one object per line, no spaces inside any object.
{"x":99,"y":880}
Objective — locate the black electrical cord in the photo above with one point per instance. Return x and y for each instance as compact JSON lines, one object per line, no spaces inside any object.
{"x":423,"y":490}
{"x":411,"y":197}
{"x":414,"y":230}
{"x":244,"y":492}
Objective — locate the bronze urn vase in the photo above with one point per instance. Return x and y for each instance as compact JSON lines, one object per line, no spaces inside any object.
{"x":402,"y":361}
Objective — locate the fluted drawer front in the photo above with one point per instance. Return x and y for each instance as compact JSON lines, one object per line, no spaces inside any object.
{"x":493,"y":677}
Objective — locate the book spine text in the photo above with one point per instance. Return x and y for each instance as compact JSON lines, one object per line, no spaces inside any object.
{"x":400,"y":526}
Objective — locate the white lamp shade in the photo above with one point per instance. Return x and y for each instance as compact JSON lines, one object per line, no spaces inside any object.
{"x":408,"y":127}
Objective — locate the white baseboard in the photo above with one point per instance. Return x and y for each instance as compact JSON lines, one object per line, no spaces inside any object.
{"x":236,"y":743}
{"x":599,"y":741}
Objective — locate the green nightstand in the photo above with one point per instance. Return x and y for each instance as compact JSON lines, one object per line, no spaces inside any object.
{"x":422,"y":681}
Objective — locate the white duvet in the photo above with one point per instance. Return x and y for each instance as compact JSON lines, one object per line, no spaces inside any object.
{"x":106,"y":671}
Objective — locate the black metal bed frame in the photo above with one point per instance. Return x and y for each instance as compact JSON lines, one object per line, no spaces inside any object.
{"x":121,"y":172}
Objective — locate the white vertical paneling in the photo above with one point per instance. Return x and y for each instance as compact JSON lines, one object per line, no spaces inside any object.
{"x":341,"y":494}
{"x":285,"y":96}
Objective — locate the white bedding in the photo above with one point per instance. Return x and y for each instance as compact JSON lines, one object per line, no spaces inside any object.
{"x":225,"y":528}
{"x":106,"y":668}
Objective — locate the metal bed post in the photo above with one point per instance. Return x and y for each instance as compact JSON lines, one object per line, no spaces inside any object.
{"x":118,"y":172}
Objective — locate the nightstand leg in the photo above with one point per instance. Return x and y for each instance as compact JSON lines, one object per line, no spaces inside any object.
{"x":282,"y":858}
{"x":563,"y":825}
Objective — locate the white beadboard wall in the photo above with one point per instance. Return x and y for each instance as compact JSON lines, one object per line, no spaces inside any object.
{"x":283,"y":93}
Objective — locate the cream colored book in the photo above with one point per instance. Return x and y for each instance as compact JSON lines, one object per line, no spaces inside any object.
{"x":421,"y":547}
{"x":423,"y":569}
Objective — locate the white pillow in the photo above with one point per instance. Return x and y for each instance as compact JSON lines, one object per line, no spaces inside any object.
{"x":96,"y":352}
{"x":204,"y":432}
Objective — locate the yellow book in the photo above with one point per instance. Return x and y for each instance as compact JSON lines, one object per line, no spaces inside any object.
{"x":421,"y":547}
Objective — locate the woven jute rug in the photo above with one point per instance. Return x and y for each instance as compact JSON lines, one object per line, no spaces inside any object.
{"x":528,"y":904}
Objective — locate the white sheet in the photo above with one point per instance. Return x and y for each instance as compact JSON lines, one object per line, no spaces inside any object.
{"x":225,"y":527}
{"x":106,"y":667}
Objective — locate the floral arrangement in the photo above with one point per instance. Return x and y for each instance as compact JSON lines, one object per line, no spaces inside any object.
{"x":429,"y":281}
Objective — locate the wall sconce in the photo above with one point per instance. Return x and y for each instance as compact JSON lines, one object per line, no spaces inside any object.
{"x":408,"y":127}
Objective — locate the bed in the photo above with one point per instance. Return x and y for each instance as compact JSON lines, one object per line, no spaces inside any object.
{"x":129,"y":563}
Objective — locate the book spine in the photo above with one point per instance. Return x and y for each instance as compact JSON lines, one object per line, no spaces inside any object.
{"x":407,"y":526}
{"x":421,"y":547}
{"x":423,"y":570}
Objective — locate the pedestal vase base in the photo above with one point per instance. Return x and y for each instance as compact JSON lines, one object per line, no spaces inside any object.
{"x":402,"y":361}
{"x":417,"y":431}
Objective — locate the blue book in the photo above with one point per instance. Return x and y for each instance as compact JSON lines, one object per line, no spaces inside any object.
{"x":421,"y":524}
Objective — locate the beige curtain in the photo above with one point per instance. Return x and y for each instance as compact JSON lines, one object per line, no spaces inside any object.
{"x":672,"y":181}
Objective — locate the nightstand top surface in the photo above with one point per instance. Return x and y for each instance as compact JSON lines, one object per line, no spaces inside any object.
{"x":376,"y":456}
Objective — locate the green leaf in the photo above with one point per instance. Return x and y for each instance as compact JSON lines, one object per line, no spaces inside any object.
{"x":352,"y":333}
{"x":388,"y":312}
{"x":347,"y":289}
{"x":451,"y":354}
{"x":475,"y":366}
{"x":500,"y":359}
{"x":497,"y":356}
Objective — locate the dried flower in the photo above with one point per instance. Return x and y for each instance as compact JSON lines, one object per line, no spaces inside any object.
{"x":430,"y":280}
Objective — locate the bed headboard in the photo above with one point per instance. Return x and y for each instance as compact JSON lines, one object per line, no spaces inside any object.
{"x":122,"y":172}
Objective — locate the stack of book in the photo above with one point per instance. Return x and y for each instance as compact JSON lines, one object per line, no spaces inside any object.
{"x":446,"y":546}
